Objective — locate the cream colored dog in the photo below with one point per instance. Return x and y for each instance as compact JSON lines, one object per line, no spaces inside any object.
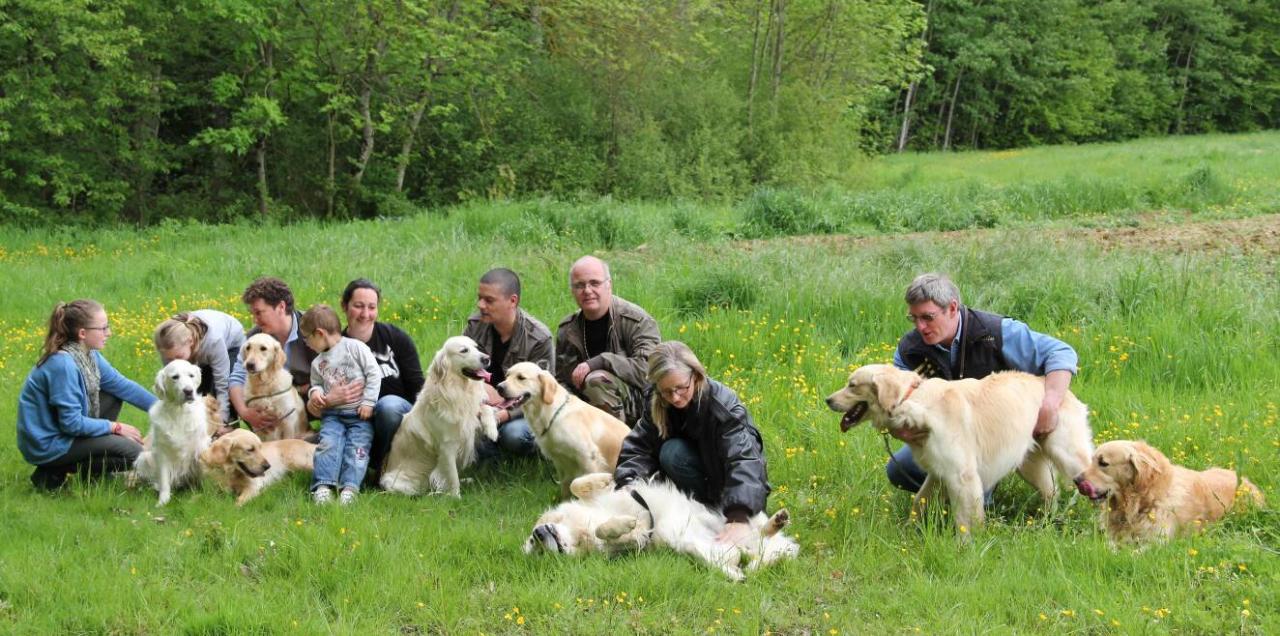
{"x":978,"y":432}
{"x":578,"y":438}
{"x":1148,"y":497}
{"x":245,"y":465}
{"x":437,"y":438}
{"x":655,"y":513}
{"x":269,"y":388}
{"x":179,"y":431}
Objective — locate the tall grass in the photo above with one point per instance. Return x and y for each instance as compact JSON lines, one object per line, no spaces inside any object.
{"x":1175,"y":349}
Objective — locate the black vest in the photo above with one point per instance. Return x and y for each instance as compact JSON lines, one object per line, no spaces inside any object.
{"x":981,"y":343}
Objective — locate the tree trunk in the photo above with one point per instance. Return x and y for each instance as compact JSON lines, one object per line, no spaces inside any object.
{"x":402,"y":162}
{"x":906,"y":116}
{"x":262,"y":176}
{"x":1180,"y":122}
{"x":755,"y":71}
{"x":951,"y":110}
{"x":331,"y":180}
{"x":779,"y":38}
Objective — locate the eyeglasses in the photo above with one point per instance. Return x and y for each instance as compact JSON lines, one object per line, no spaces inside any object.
{"x":102,"y":328}
{"x":676,"y":390}
{"x":588,"y":284}
{"x":929,"y":317}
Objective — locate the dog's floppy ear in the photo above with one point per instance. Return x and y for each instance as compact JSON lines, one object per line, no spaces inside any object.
{"x":1147,"y":466}
{"x":277,"y":358}
{"x":890,"y":387}
{"x":436,"y":371}
{"x":158,"y":387}
{"x":216,"y":454}
{"x":549,"y":387}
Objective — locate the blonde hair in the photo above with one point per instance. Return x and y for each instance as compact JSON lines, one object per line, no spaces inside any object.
{"x":320,"y":316}
{"x":670,"y":357}
{"x":65,"y":323}
{"x":180,"y":329}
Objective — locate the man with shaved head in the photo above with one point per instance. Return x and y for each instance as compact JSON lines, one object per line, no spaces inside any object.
{"x":509,"y":335}
{"x":602,"y":350}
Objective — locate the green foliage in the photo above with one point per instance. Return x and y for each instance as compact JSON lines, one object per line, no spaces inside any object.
{"x":721,"y":289}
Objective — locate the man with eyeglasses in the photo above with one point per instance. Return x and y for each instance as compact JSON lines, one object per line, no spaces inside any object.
{"x":952,"y":341}
{"x":602,"y":350}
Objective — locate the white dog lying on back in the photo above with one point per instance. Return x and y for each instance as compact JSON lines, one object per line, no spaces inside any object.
{"x":179,"y":431}
{"x":654,"y":513}
{"x":437,"y":438}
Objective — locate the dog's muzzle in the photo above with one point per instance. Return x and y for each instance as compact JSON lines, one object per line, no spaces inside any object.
{"x":1088,"y":490}
{"x":254,"y":473}
{"x":546,"y":536}
{"x":853,"y":416}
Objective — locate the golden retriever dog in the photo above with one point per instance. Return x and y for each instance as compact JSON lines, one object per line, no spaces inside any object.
{"x":269,"y":388}
{"x":654,"y":513}
{"x":578,"y":438}
{"x":179,"y":431}
{"x":437,"y":438}
{"x":1148,"y":497}
{"x":245,"y":465}
{"x":979,"y":432}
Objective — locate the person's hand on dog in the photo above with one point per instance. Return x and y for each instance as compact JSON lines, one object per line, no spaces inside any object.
{"x":1046,"y":421}
{"x":126,"y":431}
{"x":580,"y":374}
{"x":733,"y":533}
{"x":910,"y":435}
{"x":260,"y":422}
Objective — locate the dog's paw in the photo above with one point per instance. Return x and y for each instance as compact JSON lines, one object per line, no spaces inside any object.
{"x":615,"y":528}
{"x":588,"y":486}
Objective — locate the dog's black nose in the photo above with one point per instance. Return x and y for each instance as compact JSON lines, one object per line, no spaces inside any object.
{"x":546,"y":535}
{"x":828,"y":401}
{"x":484,"y":359}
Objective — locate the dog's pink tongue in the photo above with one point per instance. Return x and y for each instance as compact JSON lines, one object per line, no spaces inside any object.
{"x":484,"y":375}
{"x":507,"y":403}
{"x":1084,"y":487}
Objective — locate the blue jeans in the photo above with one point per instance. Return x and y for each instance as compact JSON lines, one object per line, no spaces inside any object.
{"x":514,"y":438}
{"x":387,"y":414}
{"x":343,"y":454}
{"x":680,"y":462}
{"x":905,"y":474}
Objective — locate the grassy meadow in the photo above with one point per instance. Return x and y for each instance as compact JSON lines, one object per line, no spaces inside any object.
{"x":1179,"y":348}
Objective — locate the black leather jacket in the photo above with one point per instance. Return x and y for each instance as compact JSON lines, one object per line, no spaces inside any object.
{"x":728,"y":442}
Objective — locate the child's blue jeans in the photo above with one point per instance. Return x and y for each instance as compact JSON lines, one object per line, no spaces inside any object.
{"x":343,"y":454}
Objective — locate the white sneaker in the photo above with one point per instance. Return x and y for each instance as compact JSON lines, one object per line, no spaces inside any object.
{"x":322,"y":495}
{"x":348,"y":496}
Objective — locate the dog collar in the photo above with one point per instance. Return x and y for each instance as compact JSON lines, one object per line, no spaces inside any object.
{"x":551,"y":422}
{"x":644,"y":504}
{"x":910,"y":390}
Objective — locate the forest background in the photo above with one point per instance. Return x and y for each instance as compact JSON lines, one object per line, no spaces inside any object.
{"x":214,"y":110}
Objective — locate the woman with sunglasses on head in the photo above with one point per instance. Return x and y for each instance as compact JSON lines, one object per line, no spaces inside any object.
{"x":208,"y":339}
{"x":699,"y":435}
{"x":68,"y":405}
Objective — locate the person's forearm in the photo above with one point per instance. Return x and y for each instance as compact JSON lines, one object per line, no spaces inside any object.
{"x":1056,"y":385}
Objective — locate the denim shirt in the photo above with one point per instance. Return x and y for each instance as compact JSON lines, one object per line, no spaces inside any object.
{"x":1024,"y":350}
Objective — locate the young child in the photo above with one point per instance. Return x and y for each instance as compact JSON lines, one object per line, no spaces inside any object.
{"x":345,"y":432}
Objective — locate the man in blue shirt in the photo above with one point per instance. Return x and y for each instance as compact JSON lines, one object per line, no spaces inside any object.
{"x":952,"y":341}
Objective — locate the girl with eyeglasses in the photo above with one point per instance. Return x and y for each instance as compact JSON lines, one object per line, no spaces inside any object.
{"x":698,"y":435}
{"x":68,"y":405}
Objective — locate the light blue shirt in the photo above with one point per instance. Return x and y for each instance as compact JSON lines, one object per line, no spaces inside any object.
{"x":53,"y":408}
{"x":1023,"y":349}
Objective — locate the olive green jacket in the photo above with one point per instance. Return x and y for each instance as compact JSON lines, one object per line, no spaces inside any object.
{"x":633,"y":335}
{"x":530,"y":342}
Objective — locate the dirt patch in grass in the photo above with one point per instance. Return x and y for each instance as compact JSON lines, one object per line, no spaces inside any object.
{"x":1258,"y":235}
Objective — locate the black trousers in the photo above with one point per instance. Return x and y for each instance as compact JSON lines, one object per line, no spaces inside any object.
{"x":90,"y":456}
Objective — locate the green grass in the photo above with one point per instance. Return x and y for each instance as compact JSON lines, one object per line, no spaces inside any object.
{"x":1177,"y":349}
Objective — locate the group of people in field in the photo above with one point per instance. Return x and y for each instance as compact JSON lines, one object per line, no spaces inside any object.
{"x":686,"y":426}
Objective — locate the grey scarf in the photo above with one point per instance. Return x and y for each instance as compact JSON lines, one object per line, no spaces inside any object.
{"x":88,"y":370}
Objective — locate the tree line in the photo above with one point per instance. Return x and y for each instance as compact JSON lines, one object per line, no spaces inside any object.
{"x":137,"y":110}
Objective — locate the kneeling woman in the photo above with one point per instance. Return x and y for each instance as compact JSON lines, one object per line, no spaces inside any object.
{"x":697,"y":433}
{"x":67,"y":405}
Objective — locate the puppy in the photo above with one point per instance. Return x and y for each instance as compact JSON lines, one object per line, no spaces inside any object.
{"x":979,"y":432}
{"x":437,"y":438}
{"x":269,"y":388}
{"x":578,"y":438}
{"x":654,"y":513}
{"x":245,"y":465}
{"x":1148,"y":497}
{"x":179,"y":431}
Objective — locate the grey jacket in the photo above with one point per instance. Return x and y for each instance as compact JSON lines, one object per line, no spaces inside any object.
{"x":530,"y":342}
{"x":633,"y":335}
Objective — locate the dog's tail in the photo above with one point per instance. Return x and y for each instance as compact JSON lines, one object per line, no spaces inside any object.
{"x":1246,"y":488}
